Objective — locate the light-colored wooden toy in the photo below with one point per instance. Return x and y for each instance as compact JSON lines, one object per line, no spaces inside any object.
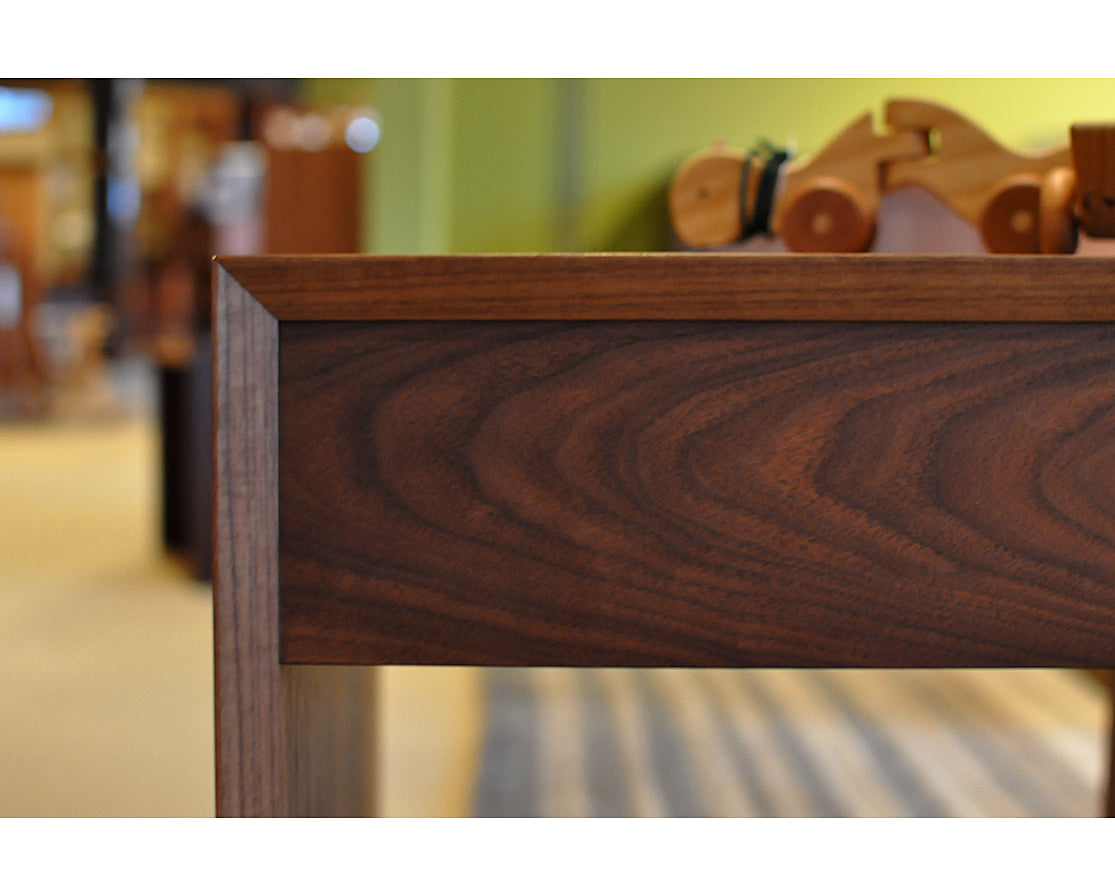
{"x":1019,"y":203}
{"x":994,"y":188}
{"x":830,"y":203}
{"x":704,"y":198}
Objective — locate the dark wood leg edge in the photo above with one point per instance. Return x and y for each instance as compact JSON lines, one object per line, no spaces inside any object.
{"x":291,"y":740}
{"x":311,"y":752}
{"x":330,"y":718}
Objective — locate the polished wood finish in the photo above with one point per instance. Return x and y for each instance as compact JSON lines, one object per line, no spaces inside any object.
{"x":683,"y":459}
{"x":697,"y":494}
{"x":250,"y":748}
{"x":680,"y":286}
{"x":289,"y":739}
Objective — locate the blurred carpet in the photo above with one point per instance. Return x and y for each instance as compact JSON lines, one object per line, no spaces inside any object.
{"x":106,"y":685}
{"x":792,"y":743}
{"x":106,"y":676}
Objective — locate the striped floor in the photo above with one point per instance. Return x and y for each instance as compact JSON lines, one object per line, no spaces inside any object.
{"x":792,"y":743}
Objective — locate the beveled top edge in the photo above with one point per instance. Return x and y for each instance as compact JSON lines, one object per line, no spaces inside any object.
{"x":680,"y":285}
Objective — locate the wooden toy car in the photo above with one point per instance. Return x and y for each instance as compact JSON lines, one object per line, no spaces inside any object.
{"x":1019,"y":203}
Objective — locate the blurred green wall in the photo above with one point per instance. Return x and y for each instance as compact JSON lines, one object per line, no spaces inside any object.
{"x":536,"y":165}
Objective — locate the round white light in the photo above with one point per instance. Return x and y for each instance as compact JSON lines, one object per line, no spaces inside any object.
{"x":362,"y":134}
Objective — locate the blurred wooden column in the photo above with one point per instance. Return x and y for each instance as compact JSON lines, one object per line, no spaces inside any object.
{"x":23,"y":369}
{"x":312,"y":200}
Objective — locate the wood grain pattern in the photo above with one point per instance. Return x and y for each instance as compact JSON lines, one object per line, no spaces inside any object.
{"x":692,"y":493}
{"x":639,"y":460}
{"x":681,"y":286}
{"x":289,"y":740}
{"x":329,"y":730}
{"x":251,"y":754}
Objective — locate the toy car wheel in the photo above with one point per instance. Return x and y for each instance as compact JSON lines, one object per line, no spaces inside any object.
{"x":830,"y":215}
{"x":1010,"y":221}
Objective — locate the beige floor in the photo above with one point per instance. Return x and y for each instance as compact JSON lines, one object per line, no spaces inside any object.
{"x":105,"y":671}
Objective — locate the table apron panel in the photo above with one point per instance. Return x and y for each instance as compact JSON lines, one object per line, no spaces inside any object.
{"x":688,"y":493}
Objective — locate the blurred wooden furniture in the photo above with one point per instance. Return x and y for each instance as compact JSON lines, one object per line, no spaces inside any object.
{"x":314,"y":184}
{"x":186,"y":427}
{"x":312,"y":200}
{"x":309,"y":204}
{"x":24,"y":376}
{"x":180,"y":292}
{"x":644,"y":460}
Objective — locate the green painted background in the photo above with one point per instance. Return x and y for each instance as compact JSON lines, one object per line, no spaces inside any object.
{"x":536,"y":165}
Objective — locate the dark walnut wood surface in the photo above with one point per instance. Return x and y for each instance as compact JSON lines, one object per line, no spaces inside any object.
{"x":681,"y":286}
{"x":699,"y":493}
{"x":641,"y":460}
